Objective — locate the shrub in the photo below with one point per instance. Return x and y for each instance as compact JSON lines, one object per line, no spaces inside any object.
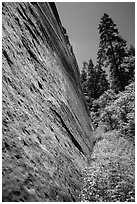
{"x":116,"y":111}
{"x":110,"y":176}
{"x":120,"y":115}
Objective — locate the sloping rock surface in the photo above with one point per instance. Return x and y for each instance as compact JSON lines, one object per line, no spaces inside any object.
{"x":46,"y":129}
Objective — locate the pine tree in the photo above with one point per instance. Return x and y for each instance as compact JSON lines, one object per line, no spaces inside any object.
{"x":112,"y":50}
{"x":90,"y":69}
{"x":102,"y":82}
{"x":83,"y":76}
{"x":96,"y":82}
{"x":91,"y":80}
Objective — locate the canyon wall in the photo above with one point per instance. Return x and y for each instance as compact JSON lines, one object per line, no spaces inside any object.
{"x":47,"y":132}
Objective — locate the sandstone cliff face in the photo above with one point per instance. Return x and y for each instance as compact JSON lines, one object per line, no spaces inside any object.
{"x":46,"y":129}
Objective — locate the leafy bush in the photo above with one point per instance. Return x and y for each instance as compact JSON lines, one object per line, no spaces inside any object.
{"x":116,"y":111}
{"x":120,"y":115}
{"x":98,"y":106}
{"x":110,"y":176}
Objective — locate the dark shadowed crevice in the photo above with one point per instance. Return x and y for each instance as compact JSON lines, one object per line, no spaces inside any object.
{"x":25,"y":42}
{"x":54,"y":9}
{"x":31,"y":32}
{"x":7,"y":57}
{"x":77,"y":145}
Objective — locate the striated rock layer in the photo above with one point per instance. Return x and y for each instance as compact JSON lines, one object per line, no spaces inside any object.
{"x":47,"y":134}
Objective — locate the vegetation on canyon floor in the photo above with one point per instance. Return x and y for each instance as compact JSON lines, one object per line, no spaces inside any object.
{"x":109,"y":177}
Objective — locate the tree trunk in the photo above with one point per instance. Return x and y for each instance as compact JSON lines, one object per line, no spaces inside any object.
{"x":116,"y":66}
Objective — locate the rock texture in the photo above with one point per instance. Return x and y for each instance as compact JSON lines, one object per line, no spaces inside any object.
{"x":47,"y":134}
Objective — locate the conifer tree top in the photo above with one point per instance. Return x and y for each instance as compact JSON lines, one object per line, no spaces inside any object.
{"x":107,"y":27}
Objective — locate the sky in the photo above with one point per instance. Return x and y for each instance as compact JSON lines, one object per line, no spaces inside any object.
{"x":81,"y":20}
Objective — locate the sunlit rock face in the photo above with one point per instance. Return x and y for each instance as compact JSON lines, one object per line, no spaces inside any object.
{"x":47,"y":134}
